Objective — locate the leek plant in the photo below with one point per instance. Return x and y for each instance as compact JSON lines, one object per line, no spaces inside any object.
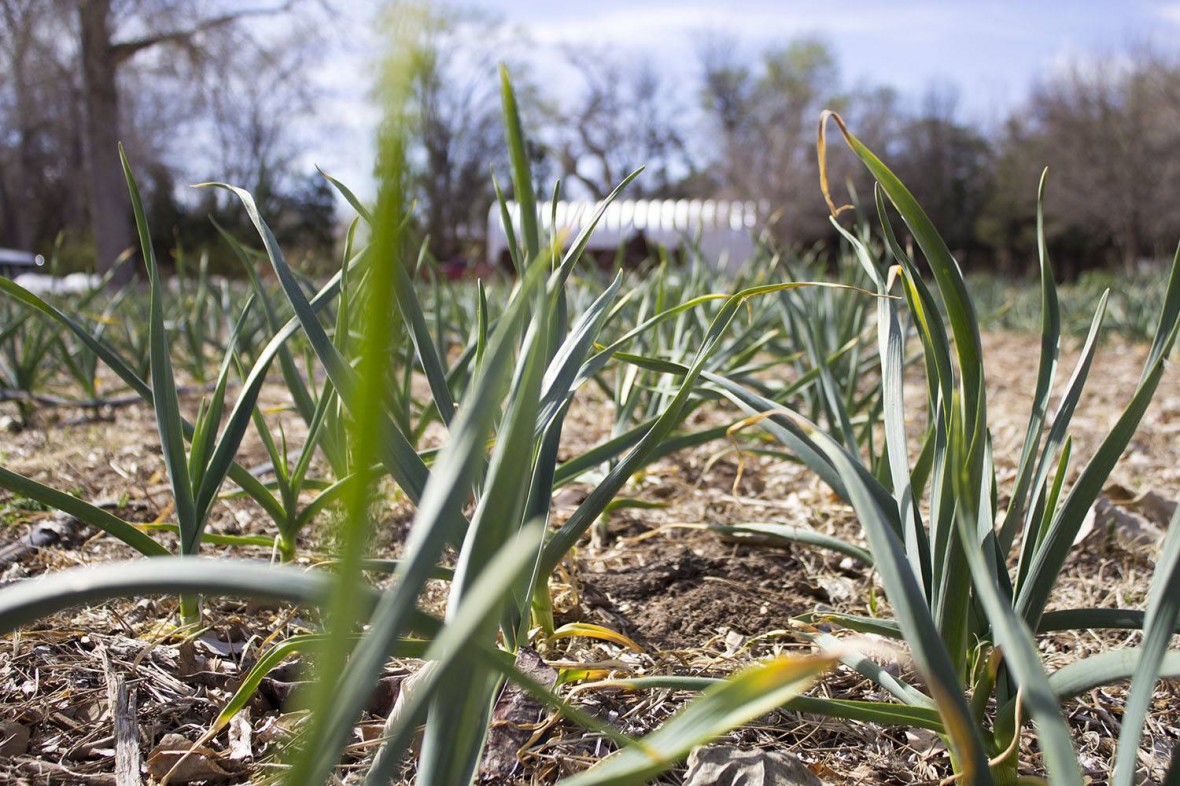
{"x":127,"y":335}
{"x":826,"y":333}
{"x":81,"y":362}
{"x":198,"y":455}
{"x":27,"y":346}
{"x":970,"y":621}
{"x":526,"y":373}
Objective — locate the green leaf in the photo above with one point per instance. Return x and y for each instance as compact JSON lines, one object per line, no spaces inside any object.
{"x":565,"y":538}
{"x":28,"y":601}
{"x":465,"y":631}
{"x":83,"y":511}
{"x":522,"y":176}
{"x":437,"y":521}
{"x":291,"y":376}
{"x":740,"y":699}
{"x":1080,"y":619}
{"x":959,"y":307}
{"x":789,"y":534}
{"x":1106,"y":668}
{"x":1163,"y":609}
{"x":428,"y":355}
{"x":1023,"y":658}
{"x":909,"y":604}
{"x":891,"y":352}
{"x":881,"y":713}
{"x":397,"y":453}
{"x":1046,"y":370}
{"x":164,"y":400}
{"x":1034,"y":534}
{"x":1033,"y":594}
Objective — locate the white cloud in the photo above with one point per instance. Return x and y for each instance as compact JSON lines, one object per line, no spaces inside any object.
{"x":1169,"y":12}
{"x":652,"y":26}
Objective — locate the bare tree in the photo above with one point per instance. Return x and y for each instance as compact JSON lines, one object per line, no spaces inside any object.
{"x":40,"y":110}
{"x":1109,"y":130}
{"x":627,"y":116}
{"x":456,"y":126}
{"x":764,"y":114}
{"x":182,"y":83}
{"x":947,"y":165}
{"x":110,"y":35}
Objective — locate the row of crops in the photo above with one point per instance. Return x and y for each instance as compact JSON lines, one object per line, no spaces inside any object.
{"x":382,"y":358}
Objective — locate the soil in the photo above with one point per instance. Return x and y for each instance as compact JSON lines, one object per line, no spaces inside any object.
{"x":684,"y":595}
{"x":695,"y":602}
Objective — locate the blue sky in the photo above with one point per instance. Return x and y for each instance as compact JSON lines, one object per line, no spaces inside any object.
{"x":992,"y":51}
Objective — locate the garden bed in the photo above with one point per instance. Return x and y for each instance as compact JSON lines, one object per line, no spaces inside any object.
{"x":696,"y":602}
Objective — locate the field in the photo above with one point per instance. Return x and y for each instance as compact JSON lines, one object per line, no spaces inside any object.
{"x":390,"y":527}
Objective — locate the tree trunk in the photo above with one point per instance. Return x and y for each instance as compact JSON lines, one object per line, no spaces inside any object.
{"x":16,"y":201}
{"x":1132,"y":247}
{"x":110,"y":205}
{"x":8,"y":231}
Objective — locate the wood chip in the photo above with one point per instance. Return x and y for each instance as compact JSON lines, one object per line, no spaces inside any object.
{"x":514,"y":719}
{"x":46,"y":771}
{"x":240,"y":734}
{"x":121,"y":699}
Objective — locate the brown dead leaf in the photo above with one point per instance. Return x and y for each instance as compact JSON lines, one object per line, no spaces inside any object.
{"x":14,"y":738}
{"x":175,"y":760}
{"x":240,"y":737}
{"x":1125,"y":527}
{"x":279,"y":729}
{"x":725,"y":765}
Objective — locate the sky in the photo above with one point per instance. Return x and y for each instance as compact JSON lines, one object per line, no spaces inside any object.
{"x":992,"y":52}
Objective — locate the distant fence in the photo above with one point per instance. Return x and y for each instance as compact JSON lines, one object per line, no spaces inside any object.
{"x":721,"y":231}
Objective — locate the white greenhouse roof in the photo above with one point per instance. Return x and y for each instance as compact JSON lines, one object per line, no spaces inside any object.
{"x":722,"y":230}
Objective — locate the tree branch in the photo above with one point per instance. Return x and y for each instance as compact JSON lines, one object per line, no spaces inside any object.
{"x":128,"y":49}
